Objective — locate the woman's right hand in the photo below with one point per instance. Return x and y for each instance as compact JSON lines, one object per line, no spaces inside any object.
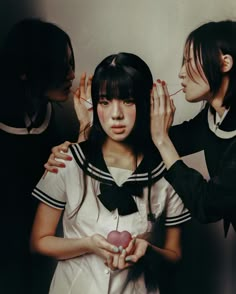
{"x":100,"y":246}
{"x":58,"y":152}
{"x":83,"y":103}
{"x":162,"y":112}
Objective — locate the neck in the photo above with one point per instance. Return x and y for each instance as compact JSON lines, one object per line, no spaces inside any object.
{"x":217,"y":101}
{"x":119,"y":154}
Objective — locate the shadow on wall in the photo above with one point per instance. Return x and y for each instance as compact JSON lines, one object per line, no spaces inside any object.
{"x":12,"y":11}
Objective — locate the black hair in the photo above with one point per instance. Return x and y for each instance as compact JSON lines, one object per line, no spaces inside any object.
{"x":208,"y":42}
{"x":123,"y":76}
{"x":33,"y":59}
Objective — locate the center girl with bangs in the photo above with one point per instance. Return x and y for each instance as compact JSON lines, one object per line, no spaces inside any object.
{"x":115,"y":181}
{"x":123,"y":77}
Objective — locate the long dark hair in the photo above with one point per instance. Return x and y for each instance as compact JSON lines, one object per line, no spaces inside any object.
{"x":124,"y":75}
{"x":208,"y":42}
{"x":33,"y":59}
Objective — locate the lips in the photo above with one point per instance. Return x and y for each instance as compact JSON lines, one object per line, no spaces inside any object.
{"x":184,"y":87}
{"x":117,"y":129}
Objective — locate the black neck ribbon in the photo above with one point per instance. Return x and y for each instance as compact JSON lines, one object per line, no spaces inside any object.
{"x":113,"y":196}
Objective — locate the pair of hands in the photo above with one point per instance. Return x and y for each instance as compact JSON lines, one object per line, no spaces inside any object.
{"x":162,"y":115}
{"x":118,"y":258}
{"x":162,"y":107}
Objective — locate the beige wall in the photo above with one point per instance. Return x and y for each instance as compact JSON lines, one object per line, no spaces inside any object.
{"x":155,"y":30}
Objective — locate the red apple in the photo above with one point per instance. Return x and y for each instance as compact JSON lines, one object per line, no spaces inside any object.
{"x":119,"y":238}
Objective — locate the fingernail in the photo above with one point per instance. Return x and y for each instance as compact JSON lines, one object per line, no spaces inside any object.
{"x":154,"y":84}
{"x":123,"y":251}
{"x":115,"y":249}
{"x":163,"y":83}
{"x":55,"y":170}
{"x":62,"y":165}
{"x":120,"y":248}
{"x":128,"y":258}
{"x":159,"y":81}
{"x":69,"y":158}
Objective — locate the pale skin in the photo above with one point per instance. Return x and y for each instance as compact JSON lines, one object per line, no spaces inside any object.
{"x":112,"y":112}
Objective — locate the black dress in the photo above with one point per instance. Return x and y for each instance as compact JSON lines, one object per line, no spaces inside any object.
{"x":23,"y":154}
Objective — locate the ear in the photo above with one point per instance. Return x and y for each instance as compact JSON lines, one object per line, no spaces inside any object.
{"x":227,"y":63}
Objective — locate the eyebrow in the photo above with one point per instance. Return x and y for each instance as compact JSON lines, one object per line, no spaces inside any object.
{"x":103,"y":95}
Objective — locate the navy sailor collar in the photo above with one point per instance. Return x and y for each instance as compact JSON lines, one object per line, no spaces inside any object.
{"x":227,"y":128}
{"x":150,"y":170}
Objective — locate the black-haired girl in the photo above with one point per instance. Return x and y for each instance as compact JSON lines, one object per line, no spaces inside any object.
{"x":208,"y":74}
{"x":36,"y":69}
{"x":113,"y":182}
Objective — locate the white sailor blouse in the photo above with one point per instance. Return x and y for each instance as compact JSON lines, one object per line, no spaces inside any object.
{"x":94,"y":203}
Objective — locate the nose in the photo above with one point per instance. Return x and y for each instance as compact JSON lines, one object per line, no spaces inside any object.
{"x":117,"y":112}
{"x":71,"y":74}
{"x":182,"y":72}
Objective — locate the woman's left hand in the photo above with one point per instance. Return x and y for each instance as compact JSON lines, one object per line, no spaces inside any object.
{"x":139,"y":251}
{"x":119,"y":261}
{"x":162,"y":112}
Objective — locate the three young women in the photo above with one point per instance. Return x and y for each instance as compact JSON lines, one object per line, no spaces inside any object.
{"x":115,"y":181}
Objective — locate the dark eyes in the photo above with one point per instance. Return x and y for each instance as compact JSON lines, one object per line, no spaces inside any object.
{"x":104,"y":101}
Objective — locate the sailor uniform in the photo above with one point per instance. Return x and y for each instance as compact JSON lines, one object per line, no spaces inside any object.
{"x":212,"y":200}
{"x":95,"y":201}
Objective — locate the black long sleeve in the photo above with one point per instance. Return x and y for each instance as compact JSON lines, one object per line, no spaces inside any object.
{"x":212,"y":200}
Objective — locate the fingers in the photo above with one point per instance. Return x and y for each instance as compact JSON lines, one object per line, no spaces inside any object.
{"x":154,"y":99}
{"x":62,"y":147}
{"x":82,"y":84}
{"x":53,"y":162}
{"x":160,"y":98}
{"x":89,"y":84}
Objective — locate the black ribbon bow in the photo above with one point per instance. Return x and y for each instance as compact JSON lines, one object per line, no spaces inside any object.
{"x":113,"y":196}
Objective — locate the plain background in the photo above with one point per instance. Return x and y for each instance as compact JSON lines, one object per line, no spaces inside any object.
{"x":155,"y":30}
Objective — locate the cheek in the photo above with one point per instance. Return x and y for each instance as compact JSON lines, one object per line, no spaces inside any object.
{"x":132,"y":115}
{"x":100,"y":114}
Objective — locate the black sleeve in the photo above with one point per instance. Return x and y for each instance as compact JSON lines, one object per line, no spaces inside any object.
{"x":187,"y":137}
{"x":208,"y":201}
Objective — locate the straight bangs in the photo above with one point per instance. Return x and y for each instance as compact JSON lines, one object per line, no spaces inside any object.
{"x":113,"y":83}
{"x":204,"y":42}
{"x":123,"y":76}
{"x":197,"y":58}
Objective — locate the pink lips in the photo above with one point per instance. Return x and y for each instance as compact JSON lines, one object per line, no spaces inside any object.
{"x":118,"y":128}
{"x":184,"y":87}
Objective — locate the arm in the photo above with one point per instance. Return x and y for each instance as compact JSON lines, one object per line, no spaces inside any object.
{"x":207,"y":201}
{"x":44,"y":241}
{"x":84,"y":111}
{"x":171,"y":250}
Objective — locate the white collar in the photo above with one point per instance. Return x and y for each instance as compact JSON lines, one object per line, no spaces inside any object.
{"x":214,"y":124}
{"x":33,"y":131}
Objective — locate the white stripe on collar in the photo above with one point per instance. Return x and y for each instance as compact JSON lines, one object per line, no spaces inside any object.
{"x":214,"y":127}
{"x":33,"y":131}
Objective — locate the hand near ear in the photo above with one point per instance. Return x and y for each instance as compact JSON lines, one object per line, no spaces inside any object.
{"x":83,"y":103}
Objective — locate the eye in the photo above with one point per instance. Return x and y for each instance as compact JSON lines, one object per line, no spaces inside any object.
{"x":187,"y":60}
{"x":103,"y":101}
{"x":129,"y":101}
